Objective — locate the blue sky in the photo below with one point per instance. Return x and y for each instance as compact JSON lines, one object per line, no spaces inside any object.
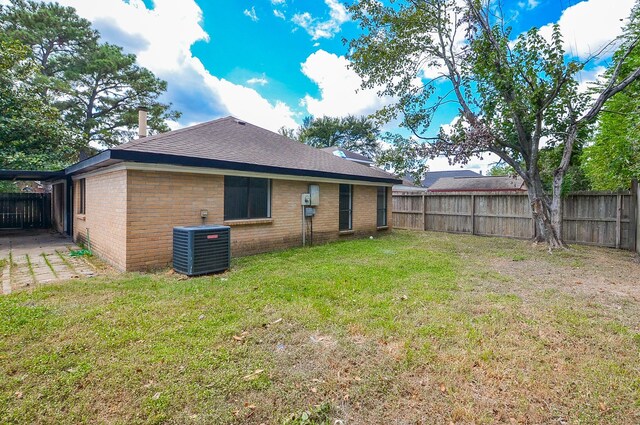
{"x":273,"y":62}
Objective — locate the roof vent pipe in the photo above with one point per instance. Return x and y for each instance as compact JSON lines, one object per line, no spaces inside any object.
{"x":142,"y":122}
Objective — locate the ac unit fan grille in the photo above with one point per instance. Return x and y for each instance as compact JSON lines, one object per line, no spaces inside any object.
{"x":201,"y":250}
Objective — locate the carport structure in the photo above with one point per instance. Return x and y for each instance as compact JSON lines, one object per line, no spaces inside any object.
{"x":27,"y":210}
{"x":35,"y":231}
{"x":34,"y":257}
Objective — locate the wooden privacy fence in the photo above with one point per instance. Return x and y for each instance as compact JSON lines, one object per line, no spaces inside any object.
{"x":25,"y":210}
{"x":593,"y":218}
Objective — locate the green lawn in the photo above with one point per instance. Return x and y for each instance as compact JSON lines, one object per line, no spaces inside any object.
{"x":408,"y":328}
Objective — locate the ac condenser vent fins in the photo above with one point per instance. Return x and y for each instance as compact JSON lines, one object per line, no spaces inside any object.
{"x":201,"y":250}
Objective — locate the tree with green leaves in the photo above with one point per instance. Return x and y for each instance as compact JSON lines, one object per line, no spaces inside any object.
{"x":501,"y":169}
{"x":574,"y":180}
{"x":55,"y":34}
{"x":356,"y":134}
{"x":403,"y":156}
{"x":96,"y":86}
{"x":102,"y":92}
{"x":613,"y":159}
{"x":399,"y":155}
{"x":515,"y":95}
{"x":32,"y":133}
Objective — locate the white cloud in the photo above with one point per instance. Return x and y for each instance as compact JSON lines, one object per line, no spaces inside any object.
{"x":277,"y":2}
{"x":477,"y":164}
{"x":529,"y":4}
{"x":167,"y":33}
{"x":317,"y":28}
{"x":245,"y":103}
{"x":251,"y":14}
{"x":340,"y":92}
{"x":278,"y":14}
{"x":587,"y":78}
{"x":257,"y":81}
{"x":589,"y":25}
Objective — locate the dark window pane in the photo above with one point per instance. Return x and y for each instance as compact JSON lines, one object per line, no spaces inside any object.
{"x":344,"y":220}
{"x":382,"y":206}
{"x":381,"y":197}
{"x":245,"y":197}
{"x":258,"y":198}
{"x":345,"y":207}
{"x":235,"y":197}
{"x":82,"y":192}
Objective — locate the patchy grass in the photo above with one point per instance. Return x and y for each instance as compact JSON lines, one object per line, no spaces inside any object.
{"x":48,"y":263}
{"x":3,"y":263}
{"x":30,"y":268}
{"x":409,"y":328}
{"x":65,"y":261}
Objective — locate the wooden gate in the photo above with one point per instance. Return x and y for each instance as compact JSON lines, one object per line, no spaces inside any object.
{"x":25,"y":210}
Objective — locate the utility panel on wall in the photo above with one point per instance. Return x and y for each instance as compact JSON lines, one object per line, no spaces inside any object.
{"x":314,"y":193}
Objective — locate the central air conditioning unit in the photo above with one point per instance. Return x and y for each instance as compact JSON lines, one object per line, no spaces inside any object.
{"x":201,"y":249}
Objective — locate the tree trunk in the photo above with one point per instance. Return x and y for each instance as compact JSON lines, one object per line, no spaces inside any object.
{"x":546,"y":214}
{"x":557,"y":207}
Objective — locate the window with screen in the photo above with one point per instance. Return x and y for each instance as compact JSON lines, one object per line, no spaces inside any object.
{"x":246,"y":197}
{"x":346,"y":207}
{"x":382,"y":206}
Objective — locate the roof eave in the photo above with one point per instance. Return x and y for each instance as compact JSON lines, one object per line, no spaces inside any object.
{"x":29,"y":175}
{"x":118,"y":155}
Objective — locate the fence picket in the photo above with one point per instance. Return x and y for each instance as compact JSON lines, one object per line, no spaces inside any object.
{"x":25,"y":210}
{"x":592,"y":218}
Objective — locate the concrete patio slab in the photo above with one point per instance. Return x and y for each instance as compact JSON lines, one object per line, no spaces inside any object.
{"x":38,"y":257}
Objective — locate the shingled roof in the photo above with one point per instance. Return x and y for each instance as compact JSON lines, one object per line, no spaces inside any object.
{"x":230,"y":143}
{"x":478,"y":184}
{"x":348,"y":155}
{"x":433,"y":176}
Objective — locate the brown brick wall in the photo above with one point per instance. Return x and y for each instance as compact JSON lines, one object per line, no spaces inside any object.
{"x":105,"y":216}
{"x":157,"y":201}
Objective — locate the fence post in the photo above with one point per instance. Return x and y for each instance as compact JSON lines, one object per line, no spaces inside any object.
{"x":634,"y":217}
{"x":618,"y":219}
{"x":473,"y":214}
{"x":424,"y":212}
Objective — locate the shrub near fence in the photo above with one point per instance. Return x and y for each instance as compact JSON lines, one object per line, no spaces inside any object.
{"x":594,"y":218}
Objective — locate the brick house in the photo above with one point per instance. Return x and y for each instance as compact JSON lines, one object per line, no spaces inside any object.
{"x":126,"y":200}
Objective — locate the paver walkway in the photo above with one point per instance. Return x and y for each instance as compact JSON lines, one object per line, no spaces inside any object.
{"x":38,"y":257}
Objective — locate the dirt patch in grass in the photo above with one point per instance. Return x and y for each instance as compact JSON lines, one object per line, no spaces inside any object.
{"x":595,"y":275}
{"x":446,"y":329}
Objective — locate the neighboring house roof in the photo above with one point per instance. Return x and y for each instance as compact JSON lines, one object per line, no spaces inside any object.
{"x":408,"y":186}
{"x":479,"y":184}
{"x":348,"y":155}
{"x":230,"y":143}
{"x":432,"y":176}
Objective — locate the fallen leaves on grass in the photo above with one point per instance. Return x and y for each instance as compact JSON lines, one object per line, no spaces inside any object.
{"x":241,"y":337}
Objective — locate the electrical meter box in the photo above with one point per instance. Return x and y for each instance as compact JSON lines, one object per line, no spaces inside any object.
{"x":309,"y":211}
{"x":314,"y":192}
{"x":306,"y":199}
